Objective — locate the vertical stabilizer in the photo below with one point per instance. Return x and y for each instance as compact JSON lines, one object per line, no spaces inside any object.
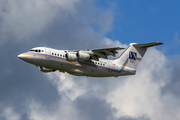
{"x":133,"y":54}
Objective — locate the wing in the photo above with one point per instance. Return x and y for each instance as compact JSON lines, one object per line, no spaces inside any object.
{"x":103,"y":53}
{"x":100,"y":53}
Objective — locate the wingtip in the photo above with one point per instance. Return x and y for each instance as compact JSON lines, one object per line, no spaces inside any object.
{"x":160,"y":43}
{"x":120,"y":48}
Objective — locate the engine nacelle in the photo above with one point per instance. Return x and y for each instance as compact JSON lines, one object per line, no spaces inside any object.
{"x":83,"y":56}
{"x":43,"y":69}
{"x":71,"y":56}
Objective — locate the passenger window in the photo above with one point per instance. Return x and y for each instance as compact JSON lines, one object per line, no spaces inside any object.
{"x":55,"y":53}
{"x":52,"y":53}
{"x":58,"y":54}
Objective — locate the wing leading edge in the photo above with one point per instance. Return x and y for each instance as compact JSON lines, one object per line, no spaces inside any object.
{"x":100,"y":53}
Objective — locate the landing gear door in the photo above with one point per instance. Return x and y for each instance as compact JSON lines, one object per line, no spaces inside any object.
{"x":48,"y":52}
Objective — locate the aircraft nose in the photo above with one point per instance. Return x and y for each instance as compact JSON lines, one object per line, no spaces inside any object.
{"x":26,"y":58}
{"x":22,"y":57}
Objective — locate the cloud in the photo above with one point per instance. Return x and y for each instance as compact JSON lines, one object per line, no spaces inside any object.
{"x":65,"y":84}
{"x":65,"y":111}
{"x":10,"y":114}
{"x":52,"y":22}
{"x":24,"y":19}
{"x":139,"y":95}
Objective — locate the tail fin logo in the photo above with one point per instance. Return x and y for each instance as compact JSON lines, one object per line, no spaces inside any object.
{"x":132,"y":56}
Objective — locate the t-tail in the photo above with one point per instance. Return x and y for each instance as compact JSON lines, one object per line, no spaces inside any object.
{"x":133,"y":55}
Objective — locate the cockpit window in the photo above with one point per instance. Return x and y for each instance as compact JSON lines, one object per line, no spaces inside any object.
{"x":31,"y":50}
{"x":35,"y":50}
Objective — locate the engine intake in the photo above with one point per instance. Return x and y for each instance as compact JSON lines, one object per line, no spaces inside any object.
{"x":71,"y":56}
{"x":83,"y":56}
{"x":43,"y":69}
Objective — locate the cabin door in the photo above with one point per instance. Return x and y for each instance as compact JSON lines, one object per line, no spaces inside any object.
{"x":48,"y":53}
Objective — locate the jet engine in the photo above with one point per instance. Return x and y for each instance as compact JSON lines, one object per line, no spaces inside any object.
{"x":43,"y":69}
{"x":71,"y":56}
{"x":83,"y":56}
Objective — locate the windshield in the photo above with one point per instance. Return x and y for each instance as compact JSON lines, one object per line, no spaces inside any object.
{"x":36,"y":50}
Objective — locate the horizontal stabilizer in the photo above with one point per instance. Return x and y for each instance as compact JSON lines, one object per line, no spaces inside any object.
{"x":146,"y":45}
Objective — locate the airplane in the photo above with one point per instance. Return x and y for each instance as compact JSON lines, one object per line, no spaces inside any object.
{"x":90,"y":63}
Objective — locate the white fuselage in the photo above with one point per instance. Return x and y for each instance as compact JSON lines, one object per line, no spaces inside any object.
{"x":53,"y":59}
